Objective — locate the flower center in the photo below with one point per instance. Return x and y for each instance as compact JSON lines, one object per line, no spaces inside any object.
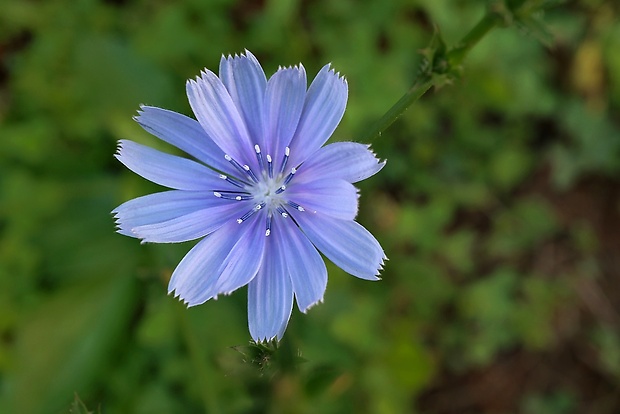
{"x":268,"y":191}
{"x":265,"y":189}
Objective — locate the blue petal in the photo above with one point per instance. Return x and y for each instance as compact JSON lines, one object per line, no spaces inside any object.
{"x":304,"y":263}
{"x":165,"y":169}
{"x":245,"y":258}
{"x":284,"y":102}
{"x":246,"y":83}
{"x":220,"y":118}
{"x":349,"y":161}
{"x":346,"y":243}
{"x":270,"y":296}
{"x":325,"y":103}
{"x":190,"y":226}
{"x":182,"y":132}
{"x":160,"y":207}
{"x":197,"y":277}
{"x":335,"y":197}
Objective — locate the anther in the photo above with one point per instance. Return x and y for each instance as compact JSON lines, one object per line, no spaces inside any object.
{"x":296,"y":206}
{"x":250,"y":213}
{"x":259,"y":156}
{"x":281,"y":189}
{"x":270,"y":166}
{"x":230,"y":180}
{"x":249,"y":171}
{"x":287,"y":152}
{"x":230,"y":195}
{"x":282,"y":211}
{"x":268,"y":229}
{"x":290,"y":176}
{"x":240,"y":168}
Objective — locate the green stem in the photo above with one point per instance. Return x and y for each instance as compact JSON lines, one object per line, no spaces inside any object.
{"x":419,"y":88}
{"x":425,"y":81}
{"x":458,"y":53}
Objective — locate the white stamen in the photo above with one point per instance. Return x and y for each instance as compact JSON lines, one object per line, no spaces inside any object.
{"x":282,"y":211}
{"x":259,"y":156}
{"x":287,"y":152}
{"x":250,"y":173}
{"x":268,"y":230}
{"x":218,"y":195}
{"x":242,"y":169}
{"x":296,"y":206}
{"x":269,"y":166}
{"x":290,"y":176}
{"x":250,"y":213}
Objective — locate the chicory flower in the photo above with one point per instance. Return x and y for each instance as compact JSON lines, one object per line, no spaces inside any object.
{"x":262,"y":192}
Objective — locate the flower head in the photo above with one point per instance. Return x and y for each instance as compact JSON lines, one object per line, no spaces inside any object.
{"x":263,"y":192}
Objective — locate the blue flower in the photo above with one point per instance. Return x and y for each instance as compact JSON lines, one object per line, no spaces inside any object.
{"x":263,"y":192}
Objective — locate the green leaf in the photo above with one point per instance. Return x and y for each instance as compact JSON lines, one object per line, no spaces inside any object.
{"x":65,"y":345}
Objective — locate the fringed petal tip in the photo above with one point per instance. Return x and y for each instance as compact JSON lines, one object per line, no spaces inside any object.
{"x":205,"y":75}
{"x":246,"y":54}
{"x":140,"y":112}
{"x":380,"y":268}
{"x":380,"y":161}
{"x":338,"y":75}
{"x":119,"y":148}
{"x":187,"y":303}
{"x":118,"y":225}
{"x":266,"y":340}
{"x":191,"y":304}
{"x":299,"y":67}
{"x":310,"y":306}
{"x":125,"y":147}
{"x":177,"y":296}
{"x":120,"y":228}
{"x":194,"y":82}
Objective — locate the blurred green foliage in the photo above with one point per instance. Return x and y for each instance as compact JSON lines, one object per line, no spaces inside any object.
{"x":498,"y":209}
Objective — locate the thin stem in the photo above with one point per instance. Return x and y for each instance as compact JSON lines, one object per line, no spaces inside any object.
{"x":484,"y":26}
{"x":425,"y":81}
{"x":419,"y":88}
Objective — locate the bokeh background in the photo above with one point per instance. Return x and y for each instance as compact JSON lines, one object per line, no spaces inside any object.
{"x":499,"y":209}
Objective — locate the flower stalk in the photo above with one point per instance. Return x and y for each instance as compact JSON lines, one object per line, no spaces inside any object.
{"x":440,"y":65}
